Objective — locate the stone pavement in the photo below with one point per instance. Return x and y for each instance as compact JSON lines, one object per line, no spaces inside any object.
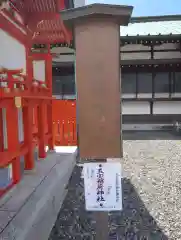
{"x":30,"y":209}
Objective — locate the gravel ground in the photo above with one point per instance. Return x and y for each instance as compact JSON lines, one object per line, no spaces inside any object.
{"x":151,"y":196}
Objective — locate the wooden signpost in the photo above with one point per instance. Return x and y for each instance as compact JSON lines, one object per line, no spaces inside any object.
{"x":97,"y":41}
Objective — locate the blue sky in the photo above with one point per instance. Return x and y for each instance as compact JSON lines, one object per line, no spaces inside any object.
{"x":147,"y":7}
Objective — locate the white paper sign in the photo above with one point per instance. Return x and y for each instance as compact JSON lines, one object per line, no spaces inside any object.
{"x":102,"y":184}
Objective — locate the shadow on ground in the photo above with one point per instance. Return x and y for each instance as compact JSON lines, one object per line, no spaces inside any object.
{"x":151,"y":135}
{"x":133,"y":223}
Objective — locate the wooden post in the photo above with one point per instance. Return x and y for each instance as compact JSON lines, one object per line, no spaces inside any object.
{"x":50,"y":126}
{"x":41,"y":129}
{"x":48,"y":64}
{"x":97,"y":43}
{"x":49,"y":106}
{"x":13,"y":139}
{"x":28,"y":113}
{"x":102,"y":230}
{"x":1,"y":131}
{"x":28,"y":136}
{"x":29,"y":67}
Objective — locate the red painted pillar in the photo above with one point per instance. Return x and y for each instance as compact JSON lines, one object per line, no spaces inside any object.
{"x":49,"y":71}
{"x":13,"y":139}
{"x":41,"y":129}
{"x":50,"y":126}
{"x":61,"y":4}
{"x":28,"y":136}
{"x":28,"y":113}
{"x":1,"y":131}
{"x":29,"y":66}
{"x":49,"y":106}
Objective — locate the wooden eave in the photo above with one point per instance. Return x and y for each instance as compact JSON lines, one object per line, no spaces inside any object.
{"x":42,"y":19}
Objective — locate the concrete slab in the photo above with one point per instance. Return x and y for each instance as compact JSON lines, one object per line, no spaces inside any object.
{"x":30,"y":210}
{"x":5,"y":218}
{"x":18,"y":198}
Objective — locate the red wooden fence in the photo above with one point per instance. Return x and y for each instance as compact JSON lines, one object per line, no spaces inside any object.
{"x":64,"y":134}
{"x":64,"y":122}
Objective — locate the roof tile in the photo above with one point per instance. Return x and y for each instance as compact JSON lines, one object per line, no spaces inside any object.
{"x":152,"y":28}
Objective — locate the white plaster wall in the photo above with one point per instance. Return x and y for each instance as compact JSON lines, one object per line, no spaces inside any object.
{"x":167,"y":46}
{"x":144,"y":95}
{"x":128,"y":95}
{"x":12,"y":52}
{"x":176,"y":95}
{"x":147,"y":55}
{"x":140,"y":108}
{"x":39,"y":70}
{"x":162,"y":95}
{"x":12,"y":56}
{"x":138,"y":47}
{"x":168,"y":55}
{"x":62,"y":50}
{"x":64,"y":58}
{"x":135,"y":56}
{"x":70,"y":57}
{"x":135,"y":47}
{"x":167,"y":107}
{"x":157,"y":55}
{"x":79,"y":3}
{"x":135,"y":108}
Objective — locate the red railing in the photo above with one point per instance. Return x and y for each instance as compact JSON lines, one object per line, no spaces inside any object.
{"x":46,"y":123}
{"x":12,"y":159}
{"x":14,"y":82}
{"x":64,"y":133}
{"x":64,"y":123}
{"x":35,"y":102}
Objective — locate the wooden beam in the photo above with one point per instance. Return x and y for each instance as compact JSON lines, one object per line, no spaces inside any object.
{"x":48,"y":41}
{"x":12,"y":30}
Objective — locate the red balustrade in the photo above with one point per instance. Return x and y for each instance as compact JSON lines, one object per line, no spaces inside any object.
{"x":64,"y":122}
{"x":35,"y":101}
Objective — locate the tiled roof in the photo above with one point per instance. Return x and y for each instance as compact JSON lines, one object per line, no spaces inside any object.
{"x":152,"y":28}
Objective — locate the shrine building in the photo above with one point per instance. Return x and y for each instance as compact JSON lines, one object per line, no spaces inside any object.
{"x":150,"y":52}
{"x":38,"y":101}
